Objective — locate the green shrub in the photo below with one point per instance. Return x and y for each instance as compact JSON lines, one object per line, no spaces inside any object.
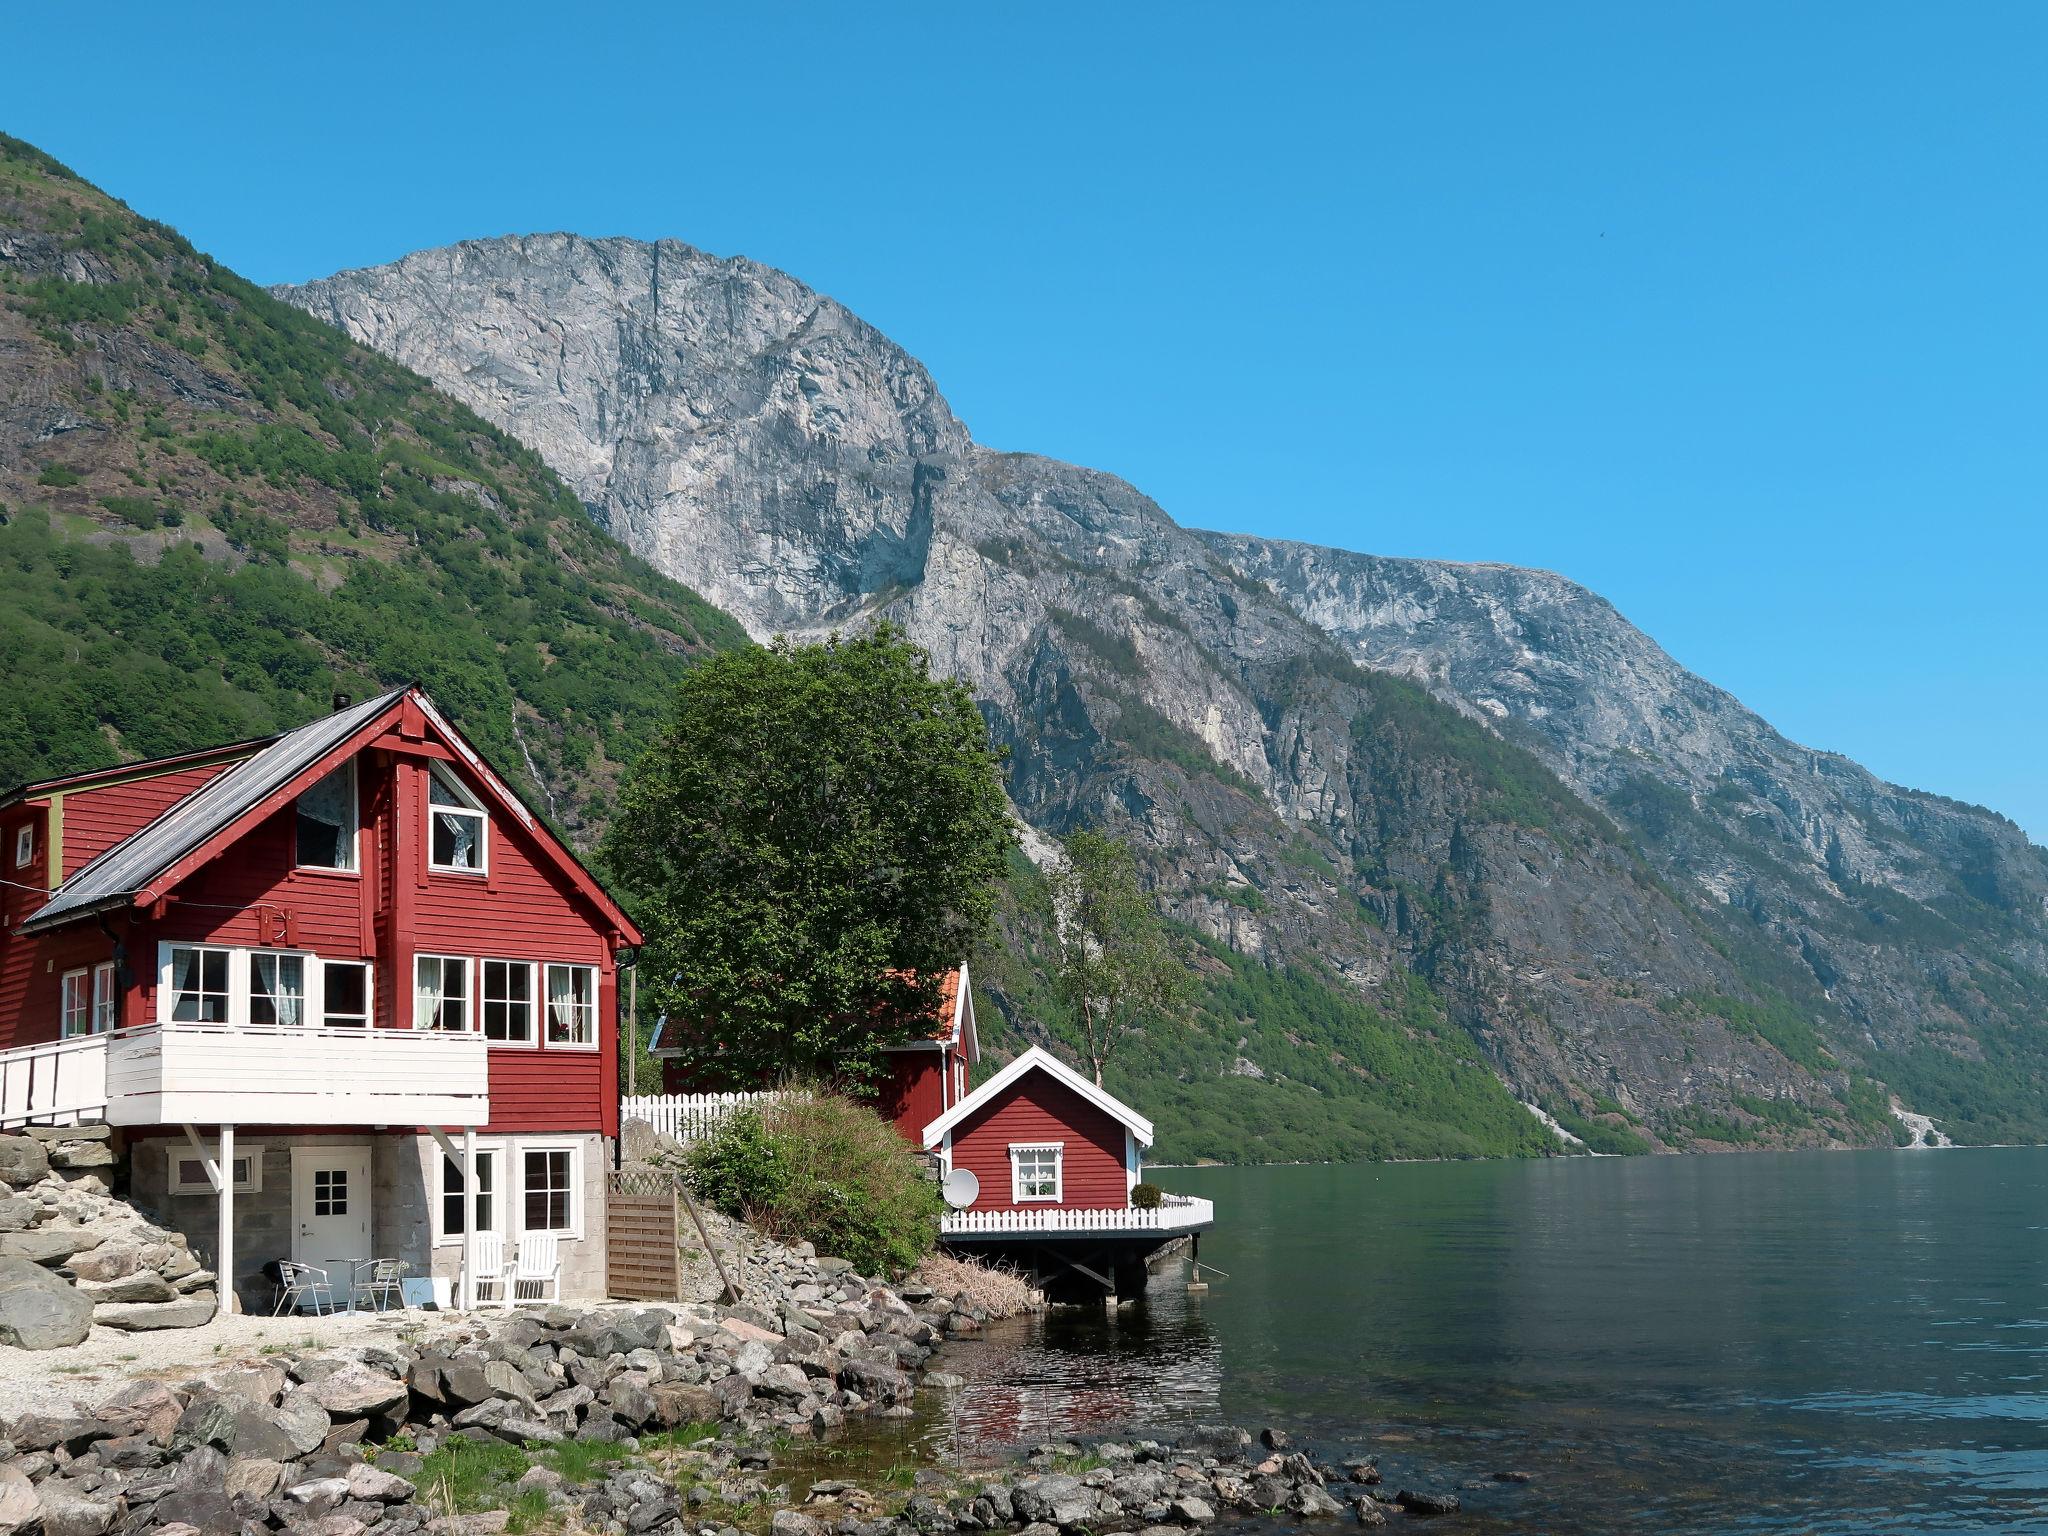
{"x":810,"y":1167}
{"x":1146,"y":1197}
{"x":58,"y":474}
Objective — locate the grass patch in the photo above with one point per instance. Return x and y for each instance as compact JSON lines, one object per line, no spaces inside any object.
{"x":462,"y":1476}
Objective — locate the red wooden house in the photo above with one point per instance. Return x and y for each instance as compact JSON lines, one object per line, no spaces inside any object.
{"x":1054,"y":1160}
{"x":927,"y":1073}
{"x":346,"y":968}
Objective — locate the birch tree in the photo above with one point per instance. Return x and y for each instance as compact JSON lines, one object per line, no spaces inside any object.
{"x":1113,"y":970}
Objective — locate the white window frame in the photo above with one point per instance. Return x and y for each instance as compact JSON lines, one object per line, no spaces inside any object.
{"x":319,"y":1016}
{"x":182,"y":1153}
{"x":574,"y":1230}
{"x":355,"y":827}
{"x":106,"y":998}
{"x":24,"y":845}
{"x":237,"y":982}
{"x":1058,"y":1149}
{"x":470,"y":806}
{"x":536,"y":1004}
{"x":596,"y":999}
{"x":74,"y":1010}
{"x":501,"y":1192}
{"x":309,"y":978}
{"x":468,"y":992}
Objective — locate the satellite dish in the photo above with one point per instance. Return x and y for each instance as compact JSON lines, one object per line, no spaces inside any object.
{"x":961,"y":1188}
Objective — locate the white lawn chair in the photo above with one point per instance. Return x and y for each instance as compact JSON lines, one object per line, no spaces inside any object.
{"x":381,"y":1282}
{"x":301,"y":1283}
{"x":537,"y":1276}
{"x":490,"y":1268}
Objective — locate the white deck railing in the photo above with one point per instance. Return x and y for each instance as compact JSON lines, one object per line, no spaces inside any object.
{"x":60,"y":1082}
{"x":243,"y":1074}
{"x":687,"y":1116}
{"x":1178,"y":1213}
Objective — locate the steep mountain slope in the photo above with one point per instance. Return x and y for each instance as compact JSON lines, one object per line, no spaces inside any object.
{"x":1318,"y":822}
{"x":214,"y":512}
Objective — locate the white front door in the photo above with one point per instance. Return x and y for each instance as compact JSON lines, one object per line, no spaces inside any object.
{"x":331,"y":1210}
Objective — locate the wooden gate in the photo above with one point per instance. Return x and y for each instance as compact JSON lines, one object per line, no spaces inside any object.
{"x":641,"y":1256}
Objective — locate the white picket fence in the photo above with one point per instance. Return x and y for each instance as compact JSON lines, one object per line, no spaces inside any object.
{"x":686,"y":1116}
{"x":1177,"y":1213}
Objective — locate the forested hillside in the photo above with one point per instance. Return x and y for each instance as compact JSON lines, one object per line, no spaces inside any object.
{"x":216,"y":512}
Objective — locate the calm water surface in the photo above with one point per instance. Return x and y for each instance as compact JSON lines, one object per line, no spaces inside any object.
{"x":1825,"y":1343}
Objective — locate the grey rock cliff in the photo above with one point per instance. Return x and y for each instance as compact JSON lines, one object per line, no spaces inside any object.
{"x":1667,"y":934}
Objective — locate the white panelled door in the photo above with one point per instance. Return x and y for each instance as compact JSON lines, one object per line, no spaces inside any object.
{"x":331,"y":1210}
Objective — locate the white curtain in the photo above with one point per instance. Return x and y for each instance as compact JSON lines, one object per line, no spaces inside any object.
{"x":427,"y":1007}
{"x":561,"y":1004}
{"x":185,"y":982}
{"x":290,"y":992}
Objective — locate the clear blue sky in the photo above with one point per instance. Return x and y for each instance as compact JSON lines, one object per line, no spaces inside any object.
{"x":1737,"y":313}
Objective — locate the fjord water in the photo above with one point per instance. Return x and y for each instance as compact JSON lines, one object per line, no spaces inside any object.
{"x":1820,"y":1342}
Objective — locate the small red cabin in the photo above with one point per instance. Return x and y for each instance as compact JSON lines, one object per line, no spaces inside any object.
{"x":1039,"y":1136}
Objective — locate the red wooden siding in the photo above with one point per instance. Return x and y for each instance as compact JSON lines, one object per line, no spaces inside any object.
{"x":1038,"y":1108}
{"x":914,"y":1094}
{"x":98,"y":817}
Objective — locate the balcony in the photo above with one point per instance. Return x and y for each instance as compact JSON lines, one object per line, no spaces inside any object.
{"x":1176,"y":1214}
{"x":226,"y":1074}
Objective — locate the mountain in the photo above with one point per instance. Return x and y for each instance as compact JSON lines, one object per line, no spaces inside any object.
{"x":216,"y":512}
{"x":1433,"y":829}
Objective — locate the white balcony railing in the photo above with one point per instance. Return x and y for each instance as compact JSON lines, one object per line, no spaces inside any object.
{"x":213,"y":1074}
{"x":1178,"y":1213}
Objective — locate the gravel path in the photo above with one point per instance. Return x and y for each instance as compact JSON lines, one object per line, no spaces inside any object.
{"x":89,"y":1371}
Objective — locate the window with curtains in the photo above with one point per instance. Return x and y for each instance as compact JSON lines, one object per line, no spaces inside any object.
{"x":106,"y":998}
{"x":507,"y":1002}
{"x":277,"y":989}
{"x":455,"y":834}
{"x":452,"y":1203}
{"x":199,"y":984}
{"x":1035,"y":1171}
{"x":74,"y":1003}
{"x":548,"y":1189}
{"x":572,"y":1005}
{"x":326,"y":818}
{"x":440,"y":992}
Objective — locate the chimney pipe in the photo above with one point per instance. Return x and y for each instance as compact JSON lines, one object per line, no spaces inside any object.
{"x":341,"y":701}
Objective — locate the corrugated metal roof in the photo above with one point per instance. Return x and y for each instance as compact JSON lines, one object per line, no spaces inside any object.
{"x":129,"y":866}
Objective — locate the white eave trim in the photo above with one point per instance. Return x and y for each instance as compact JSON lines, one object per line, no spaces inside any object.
{"x":1038,"y":1059}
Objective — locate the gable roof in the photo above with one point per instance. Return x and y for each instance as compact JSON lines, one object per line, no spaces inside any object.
{"x":149,"y":862}
{"x":1038,"y":1059}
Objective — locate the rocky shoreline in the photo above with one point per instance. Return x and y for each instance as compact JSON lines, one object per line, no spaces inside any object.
{"x":631,"y":1421}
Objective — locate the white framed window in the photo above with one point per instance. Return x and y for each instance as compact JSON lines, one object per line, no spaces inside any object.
{"x":440,"y":992}
{"x":506,"y":1002}
{"x":490,"y":1191}
{"x":277,"y":988}
{"x":456,"y":825}
{"x":106,"y":997}
{"x":345,"y":994}
{"x":194,"y":984}
{"x":25,"y":845}
{"x":74,"y":1003}
{"x":572,"y":1006}
{"x":326,"y":822}
{"x":1035,"y":1172}
{"x":188,"y":1168}
{"x":550,"y":1188}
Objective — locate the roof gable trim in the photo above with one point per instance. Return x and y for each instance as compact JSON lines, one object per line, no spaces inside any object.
{"x":1038,"y":1059}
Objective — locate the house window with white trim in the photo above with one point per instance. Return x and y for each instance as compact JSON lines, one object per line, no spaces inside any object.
{"x":440,"y":992}
{"x":277,"y":988}
{"x":455,"y":834}
{"x":198,"y":984}
{"x":452,"y":1213}
{"x":326,"y":822}
{"x":548,"y":1189}
{"x":1035,"y":1172}
{"x":74,"y":1003}
{"x":572,"y":1005}
{"x":345,"y":994}
{"x":106,"y":997}
{"x":25,"y":845}
{"x":507,"y":999}
{"x":188,"y":1169}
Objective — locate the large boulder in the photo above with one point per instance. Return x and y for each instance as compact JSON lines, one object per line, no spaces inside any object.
{"x":142,"y":1408}
{"x":143,"y":1285}
{"x":72,"y":1509}
{"x":142,"y":1316}
{"x":354,"y":1390}
{"x":46,"y":1245}
{"x":37,"y":1309}
{"x":18,"y":1215}
{"x":109,"y":1261}
{"x":22,"y":1161}
{"x":304,"y":1420}
{"x":19,"y":1506}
